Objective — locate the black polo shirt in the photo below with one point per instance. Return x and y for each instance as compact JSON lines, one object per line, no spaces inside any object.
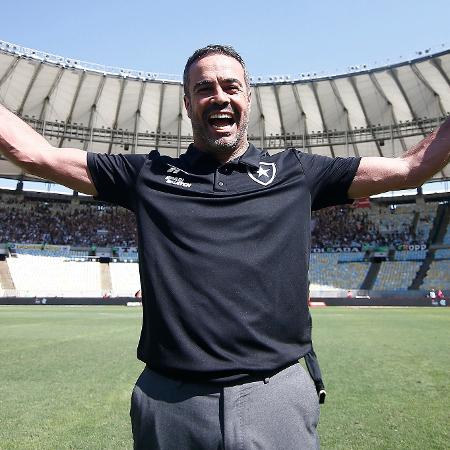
{"x":224,"y":254}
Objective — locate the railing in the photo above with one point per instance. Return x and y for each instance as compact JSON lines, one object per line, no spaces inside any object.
{"x":74,"y":63}
{"x":130,"y":140}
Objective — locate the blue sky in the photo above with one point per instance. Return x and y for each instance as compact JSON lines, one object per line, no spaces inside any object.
{"x":275,"y":38}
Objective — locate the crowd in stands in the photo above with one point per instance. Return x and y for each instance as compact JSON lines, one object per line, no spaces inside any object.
{"x":334,"y":227}
{"x":83,"y":224}
{"x":356,"y":227}
{"x":43,"y":221}
{"x":65,"y":224}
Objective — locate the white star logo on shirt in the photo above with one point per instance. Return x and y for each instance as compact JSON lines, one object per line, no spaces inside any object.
{"x":262,"y":172}
{"x":265,"y":174}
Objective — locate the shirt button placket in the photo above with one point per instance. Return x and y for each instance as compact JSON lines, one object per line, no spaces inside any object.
{"x":219,"y":182}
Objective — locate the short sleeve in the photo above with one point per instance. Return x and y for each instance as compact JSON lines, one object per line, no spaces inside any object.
{"x":328,"y":178}
{"x":115,"y":176}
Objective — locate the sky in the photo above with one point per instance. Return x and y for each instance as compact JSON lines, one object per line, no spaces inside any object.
{"x":286,"y":37}
{"x":275,"y":38}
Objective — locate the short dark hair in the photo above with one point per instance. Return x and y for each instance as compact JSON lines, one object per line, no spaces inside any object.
{"x":213,"y":49}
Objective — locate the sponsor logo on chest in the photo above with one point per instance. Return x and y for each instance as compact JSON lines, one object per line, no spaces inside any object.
{"x":177,"y":181}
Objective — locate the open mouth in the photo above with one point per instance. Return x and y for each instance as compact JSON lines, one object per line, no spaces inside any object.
{"x":221,"y":121}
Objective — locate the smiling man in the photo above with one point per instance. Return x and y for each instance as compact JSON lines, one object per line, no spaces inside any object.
{"x":217,"y":100}
{"x":224,"y":244}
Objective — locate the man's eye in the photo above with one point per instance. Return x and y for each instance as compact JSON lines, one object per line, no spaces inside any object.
{"x":203,"y":89}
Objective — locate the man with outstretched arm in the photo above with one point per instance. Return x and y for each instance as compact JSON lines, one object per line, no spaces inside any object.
{"x":224,"y":243}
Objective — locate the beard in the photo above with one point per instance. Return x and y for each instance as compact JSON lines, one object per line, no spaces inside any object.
{"x":223,"y":144}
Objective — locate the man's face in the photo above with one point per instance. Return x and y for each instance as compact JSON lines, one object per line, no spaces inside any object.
{"x":218,"y":104}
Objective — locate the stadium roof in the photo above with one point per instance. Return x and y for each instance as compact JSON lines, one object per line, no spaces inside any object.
{"x":367,"y":112}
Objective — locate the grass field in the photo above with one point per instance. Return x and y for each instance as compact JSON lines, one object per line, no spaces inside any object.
{"x":66,"y":375}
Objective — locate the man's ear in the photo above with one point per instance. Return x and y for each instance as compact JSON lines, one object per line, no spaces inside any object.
{"x":187,"y":105}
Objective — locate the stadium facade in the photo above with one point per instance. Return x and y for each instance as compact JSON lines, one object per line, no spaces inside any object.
{"x":368,"y":112}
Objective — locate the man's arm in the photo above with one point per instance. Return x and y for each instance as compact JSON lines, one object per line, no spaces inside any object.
{"x":30,"y":151}
{"x":412,"y":169}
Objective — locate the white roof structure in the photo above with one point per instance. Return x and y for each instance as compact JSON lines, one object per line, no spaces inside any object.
{"x":368,"y":112}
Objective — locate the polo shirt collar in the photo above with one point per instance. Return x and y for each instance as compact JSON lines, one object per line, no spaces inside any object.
{"x":251,"y":157}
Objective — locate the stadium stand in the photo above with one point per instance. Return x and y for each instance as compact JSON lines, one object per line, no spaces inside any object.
{"x":326,"y":274}
{"x":442,"y":253}
{"x":126,"y":254}
{"x":371,"y":227}
{"x":344,"y":242}
{"x":91,"y":223}
{"x":396,"y":275}
{"x":125,"y":279}
{"x":438,"y":275}
{"x":352,"y":257}
{"x":410,"y":255}
{"x":54,"y":276}
{"x":340,"y":226}
{"x":427,"y":213}
{"x":343,"y":115}
{"x":26,"y":220}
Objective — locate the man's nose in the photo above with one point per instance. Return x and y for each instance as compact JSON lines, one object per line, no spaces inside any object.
{"x":220,"y":97}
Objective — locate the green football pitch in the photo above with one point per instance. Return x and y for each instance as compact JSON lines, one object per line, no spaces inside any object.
{"x":66,"y":374}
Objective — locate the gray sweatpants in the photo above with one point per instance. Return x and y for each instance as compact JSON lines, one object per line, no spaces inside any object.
{"x":278,"y":413}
